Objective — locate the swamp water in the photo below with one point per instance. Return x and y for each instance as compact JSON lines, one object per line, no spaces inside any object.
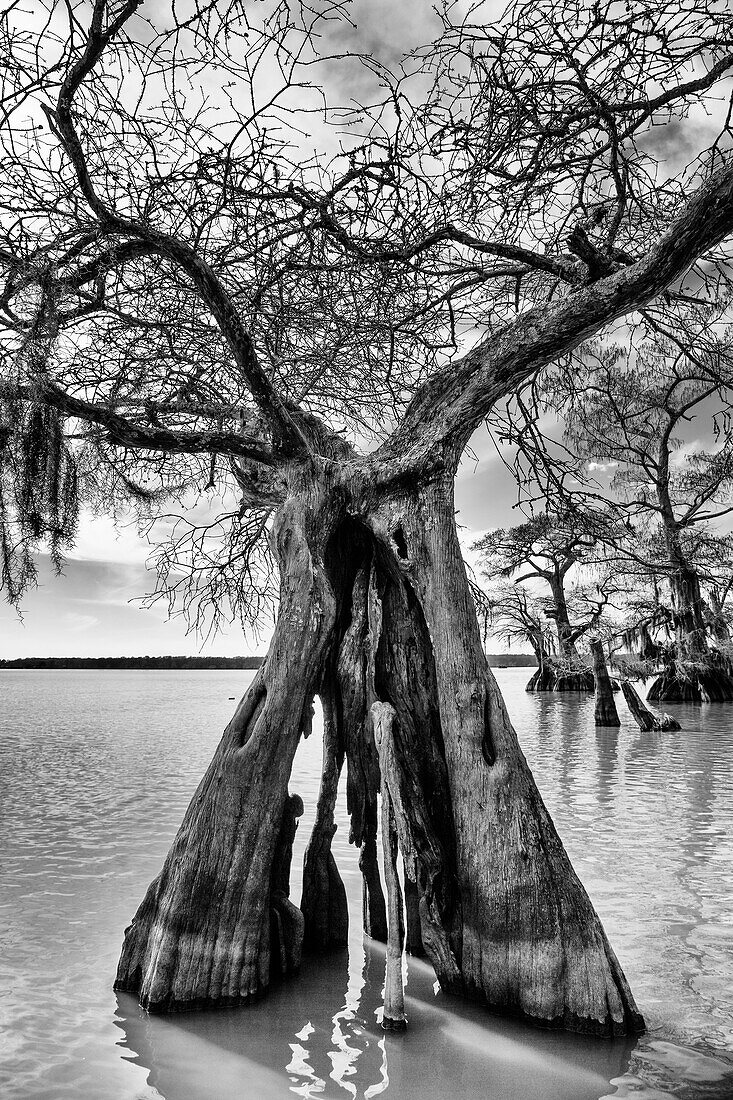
{"x":96,"y":769}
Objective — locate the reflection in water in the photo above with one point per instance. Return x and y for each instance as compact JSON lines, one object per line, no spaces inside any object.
{"x":90,"y":808}
{"x":607,"y":738}
{"x":325,"y":1044}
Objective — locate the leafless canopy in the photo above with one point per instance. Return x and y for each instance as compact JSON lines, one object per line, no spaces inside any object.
{"x":213,"y":268}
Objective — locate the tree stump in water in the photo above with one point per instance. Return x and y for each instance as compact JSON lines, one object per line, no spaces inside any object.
{"x":712,"y":684}
{"x":645,"y":718}
{"x":552,"y":678}
{"x":605,"y":713}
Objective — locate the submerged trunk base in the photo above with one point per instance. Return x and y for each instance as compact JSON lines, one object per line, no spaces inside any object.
{"x":605,"y":712}
{"x":379,"y":620}
{"x":699,"y":685}
{"x":549,"y":678}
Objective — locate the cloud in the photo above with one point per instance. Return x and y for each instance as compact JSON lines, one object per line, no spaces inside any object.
{"x":88,"y":612}
{"x":77,"y":622}
{"x":682,"y":455}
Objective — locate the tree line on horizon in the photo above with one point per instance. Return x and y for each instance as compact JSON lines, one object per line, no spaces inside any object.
{"x":132,"y":662}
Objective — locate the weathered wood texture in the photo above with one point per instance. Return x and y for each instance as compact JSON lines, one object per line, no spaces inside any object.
{"x":201,"y":936}
{"x":355,"y":687}
{"x":605,"y":710}
{"x":324,"y":905}
{"x":286,"y":920}
{"x":376,"y":612}
{"x":702,"y":682}
{"x":393,"y":1018}
{"x":374,"y":909}
{"x":645,"y":718}
{"x":531,"y":943}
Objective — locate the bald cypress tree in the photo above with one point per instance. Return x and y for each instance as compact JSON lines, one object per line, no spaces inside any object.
{"x":317,"y":338}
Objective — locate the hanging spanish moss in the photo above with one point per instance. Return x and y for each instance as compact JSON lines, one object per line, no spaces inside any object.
{"x":39,"y":500}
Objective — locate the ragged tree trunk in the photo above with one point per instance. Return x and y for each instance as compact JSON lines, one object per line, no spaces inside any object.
{"x":201,"y":936}
{"x":376,"y":610}
{"x":605,"y":712}
{"x":705,"y":680}
{"x":354,"y":692}
{"x":524,"y":937}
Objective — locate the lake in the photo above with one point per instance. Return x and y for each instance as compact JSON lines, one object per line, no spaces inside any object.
{"x":96,"y":769}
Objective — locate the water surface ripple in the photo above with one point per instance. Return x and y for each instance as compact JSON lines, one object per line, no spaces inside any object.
{"x":96,"y":769}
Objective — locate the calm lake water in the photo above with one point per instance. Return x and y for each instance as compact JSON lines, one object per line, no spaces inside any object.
{"x":96,"y":769}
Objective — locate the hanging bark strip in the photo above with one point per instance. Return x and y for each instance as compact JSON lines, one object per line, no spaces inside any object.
{"x":355,"y":683}
{"x":605,"y":712}
{"x":324,"y":905}
{"x":393,"y":1018}
{"x":374,"y":909}
{"x":645,"y":718}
